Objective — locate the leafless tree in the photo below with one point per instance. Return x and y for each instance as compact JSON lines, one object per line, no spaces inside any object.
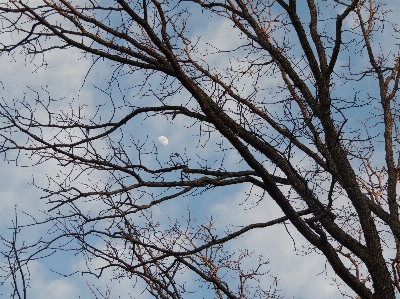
{"x":312,"y":141}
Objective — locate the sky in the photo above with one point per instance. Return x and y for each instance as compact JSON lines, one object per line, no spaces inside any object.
{"x":71,"y":81}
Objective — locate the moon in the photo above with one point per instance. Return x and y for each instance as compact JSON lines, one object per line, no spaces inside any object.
{"x":163,"y":140}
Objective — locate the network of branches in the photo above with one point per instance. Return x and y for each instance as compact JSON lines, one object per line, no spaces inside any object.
{"x":298,"y":106}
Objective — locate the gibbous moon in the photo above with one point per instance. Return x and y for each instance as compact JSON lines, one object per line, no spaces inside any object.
{"x":163,"y":140}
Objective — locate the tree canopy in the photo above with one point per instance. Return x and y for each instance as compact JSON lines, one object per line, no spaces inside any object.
{"x":293,"y":106}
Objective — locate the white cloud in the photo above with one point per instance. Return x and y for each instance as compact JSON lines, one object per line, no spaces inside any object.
{"x":300,"y":271}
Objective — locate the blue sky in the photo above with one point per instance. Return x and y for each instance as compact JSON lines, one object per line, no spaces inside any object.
{"x":300,"y":271}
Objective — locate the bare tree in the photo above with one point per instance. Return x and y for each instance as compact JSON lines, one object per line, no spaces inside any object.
{"x":311,"y":141}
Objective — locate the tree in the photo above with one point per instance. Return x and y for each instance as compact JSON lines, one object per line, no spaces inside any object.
{"x":305,"y":97}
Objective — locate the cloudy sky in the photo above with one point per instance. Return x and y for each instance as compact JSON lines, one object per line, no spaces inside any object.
{"x":65,"y":79}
